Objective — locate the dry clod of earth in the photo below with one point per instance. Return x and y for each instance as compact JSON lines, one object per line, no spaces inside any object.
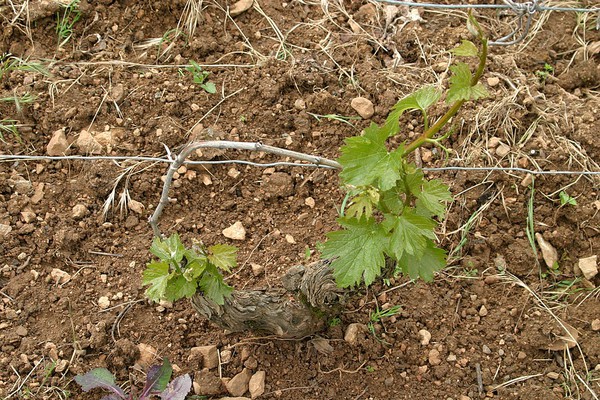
{"x":434,"y":357}
{"x":206,"y":383}
{"x":205,"y":356}
{"x":424,"y":337}
{"x":59,"y":276}
{"x":257,"y":269}
{"x":79,"y":211}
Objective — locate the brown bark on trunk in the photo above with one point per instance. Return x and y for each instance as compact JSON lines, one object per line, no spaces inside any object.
{"x":309,"y":295}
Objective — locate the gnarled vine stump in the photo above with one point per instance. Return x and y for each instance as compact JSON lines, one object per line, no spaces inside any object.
{"x":299,"y":309}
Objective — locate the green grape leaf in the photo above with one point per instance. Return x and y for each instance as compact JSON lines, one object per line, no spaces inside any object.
{"x":358,"y":251}
{"x":213,"y":285}
{"x":362,"y":204}
{"x":223,"y":256}
{"x":366,"y":161}
{"x":433,"y":193}
{"x":460,"y":85}
{"x":421,"y":100}
{"x":426,"y":265}
{"x":170,"y":250}
{"x":179,"y":287}
{"x":391,"y":200}
{"x":156,"y":275}
{"x":195,"y":264}
{"x":409,"y":233}
{"x":466,"y":48}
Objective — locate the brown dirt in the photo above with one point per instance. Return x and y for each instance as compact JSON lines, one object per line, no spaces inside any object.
{"x":481,"y":325}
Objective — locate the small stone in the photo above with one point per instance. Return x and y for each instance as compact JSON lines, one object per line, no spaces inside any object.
{"x":34,"y":274}
{"x":28,"y":216}
{"x":309,"y":201}
{"x":299,"y":104}
{"x":389,"y":381}
{"x":257,"y":269}
{"x":502,"y":150}
{"x":206,"y":180}
{"x":423,"y":369}
{"x":463,"y":397}
{"x":426,"y":155}
{"x":588,"y":266}
{"x":493,"y":142}
{"x":493,"y":81}
{"x":208,"y":354}
{"x":39,"y":194}
{"x":596,"y":325}
{"x":195,"y":107}
{"x":58,"y":145}
{"x":451,"y":358}
{"x":483,"y":311}
{"x":364,"y":107}
{"x":434,"y":357}
{"x":59,"y":276}
{"x":486,"y":349}
{"x":234,"y":173}
{"x":21,"y":331}
{"x":61,"y":366}
{"x":553,"y":375}
{"x":117,"y":92}
{"x":240,"y":7}
{"x":251,"y":363}
{"x":5,"y":230}
{"x":147,"y":355}
{"x":491,"y":279}
{"x":79,"y":211}
{"x":424,"y":337}
{"x":352,"y":332}
{"x":549,"y":253}
{"x":235,"y":232}
{"x":521,"y":355}
{"x":527,"y":181}
{"x":207,"y":383}
{"x":238,"y":385}
{"x":290,"y":239}
{"x":190,"y":175}
{"x":256,"y":386}
{"x":103,"y":302}
{"x":87,"y":143}
{"x":135,"y":206}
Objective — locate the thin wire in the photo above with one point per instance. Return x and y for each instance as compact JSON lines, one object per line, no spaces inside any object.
{"x":8,"y":158}
{"x":513,"y":6}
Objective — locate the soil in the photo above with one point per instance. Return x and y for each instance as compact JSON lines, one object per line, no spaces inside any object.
{"x":492,"y":314}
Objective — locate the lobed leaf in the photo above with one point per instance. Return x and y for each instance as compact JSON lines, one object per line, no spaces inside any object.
{"x":213,"y":285}
{"x":424,"y":266}
{"x":358,"y":251}
{"x":366,"y":161}
{"x":466,"y":48}
{"x":156,"y":275}
{"x":179,"y":287}
{"x":99,"y":378}
{"x":170,"y":249}
{"x":223,"y":256}
{"x":421,"y":100}
{"x":432,"y":195}
{"x":460,"y":85}
{"x":362,"y":204}
{"x":409,"y":233}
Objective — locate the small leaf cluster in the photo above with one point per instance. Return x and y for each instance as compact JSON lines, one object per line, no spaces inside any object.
{"x":179,"y":271}
{"x":157,"y":384}
{"x":200,"y":77}
{"x":391,"y":208}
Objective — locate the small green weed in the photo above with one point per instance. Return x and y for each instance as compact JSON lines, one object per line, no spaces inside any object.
{"x":566,"y":200}
{"x":26,"y":98}
{"x":545,"y":72}
{"x":9,"y":63}
{"x":9,"y":126}
{"x":370,"y":368}
{"x":66,"y":20}
{"x":200,"y":77}
{"x":335,"y":321}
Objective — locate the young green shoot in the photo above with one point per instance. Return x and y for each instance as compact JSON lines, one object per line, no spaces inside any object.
{"x":392,"y":209}
{"x":65,"y":21}
{"x":335,"y":117}
{"x":201,"y":77}
{"x":566,"y":200}
{"x":26,"y":98}
{"x":9,"y":126}
{"x":179,"y":271}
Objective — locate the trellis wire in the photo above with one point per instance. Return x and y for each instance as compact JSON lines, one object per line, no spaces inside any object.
{"x":526,"y":9}
{"x":8,"y":158}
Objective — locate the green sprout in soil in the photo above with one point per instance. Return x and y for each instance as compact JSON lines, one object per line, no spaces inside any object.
{"x":335,"y":117}
{"x":200,"y":77}
{"x":566,"y":200}
{"x":9,"y":63}
{"x":26,"y":98}
{"x":393,"y":209}
{"x":157,"y":384}
{"x":9,"y":126}
{"x":545,"y":72}
{"x":180,"y":271}
{"x":66,"y":20}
